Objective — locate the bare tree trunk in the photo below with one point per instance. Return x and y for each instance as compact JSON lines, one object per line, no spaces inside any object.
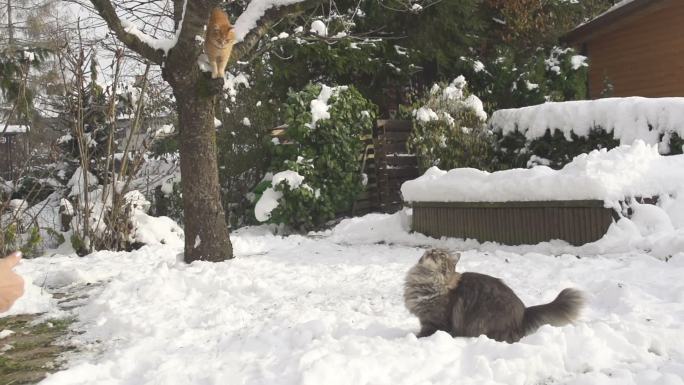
{"x":206,"y":232}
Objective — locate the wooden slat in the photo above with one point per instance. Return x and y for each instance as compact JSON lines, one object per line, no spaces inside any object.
{"x":618,"y":55}
{"x":519,"y":223}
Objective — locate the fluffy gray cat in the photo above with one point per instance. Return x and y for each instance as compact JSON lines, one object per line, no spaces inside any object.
{"x":472,"y":304}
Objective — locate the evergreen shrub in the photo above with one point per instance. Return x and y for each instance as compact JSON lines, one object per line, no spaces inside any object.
{"x":325,"y":152}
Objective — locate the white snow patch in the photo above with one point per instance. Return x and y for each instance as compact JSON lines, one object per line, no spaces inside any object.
{"x":578,"y":61}
{"x":254,"y":11}
{"x":35,"y":299}
{"x":329,"y":310}
{"x":319,"y":106}
{"x":292,"y":178}
{"x":77,"y":183}
{"x":425,"y":114}
{"x":13,"y":129}
{"x":233,"y":82}
{"x":319,"y":28}
{"x":628,"y":119}
{"x":625,"y":171}
{"x":269,"y":199}
{"x":267,"y":203}
{"x":478,"y":66}
{"x":6,"y":333}
{"x":475,"y":104}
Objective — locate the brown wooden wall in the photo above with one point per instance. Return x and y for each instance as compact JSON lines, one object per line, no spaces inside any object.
{"x":513,"y":223}
{"x":643,"y":55}
{"x":394,"y":164}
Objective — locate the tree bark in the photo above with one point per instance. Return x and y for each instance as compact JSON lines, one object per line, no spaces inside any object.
{"x":206,"y":232}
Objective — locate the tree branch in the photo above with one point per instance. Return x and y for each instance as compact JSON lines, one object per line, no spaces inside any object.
{"x":177,"y":13}
{"x":182,"y":58}
{"x":266,"y":22}
{"x":106,"y":11}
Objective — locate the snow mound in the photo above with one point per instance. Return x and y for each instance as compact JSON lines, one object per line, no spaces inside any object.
{"x":652,"y":120}
{"x":302,"y":310}
{"x":623,"y":172}
{"x":35,"y":299}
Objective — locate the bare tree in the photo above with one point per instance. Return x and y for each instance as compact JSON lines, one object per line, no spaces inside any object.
{"x":206,"y":232}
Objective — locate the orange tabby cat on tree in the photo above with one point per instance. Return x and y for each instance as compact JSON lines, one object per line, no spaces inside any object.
{"x":219,"y":42}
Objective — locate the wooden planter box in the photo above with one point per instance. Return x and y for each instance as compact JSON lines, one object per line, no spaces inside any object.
{"x":514,"y":223}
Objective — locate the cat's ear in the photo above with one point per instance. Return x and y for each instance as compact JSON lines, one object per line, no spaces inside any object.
{"x":455,"y":257}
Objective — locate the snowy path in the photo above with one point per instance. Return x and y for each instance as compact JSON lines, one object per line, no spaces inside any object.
{"x":313,"y":311}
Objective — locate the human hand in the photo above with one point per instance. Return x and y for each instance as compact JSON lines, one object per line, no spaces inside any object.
{"x":11,"y":284}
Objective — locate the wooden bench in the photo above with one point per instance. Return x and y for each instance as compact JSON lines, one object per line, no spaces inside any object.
{"x":514,"y":223}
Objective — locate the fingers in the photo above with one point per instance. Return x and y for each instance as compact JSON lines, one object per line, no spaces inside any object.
{"x":11,"y":260}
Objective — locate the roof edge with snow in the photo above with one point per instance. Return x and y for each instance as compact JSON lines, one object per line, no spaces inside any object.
{"x":609,"y":19}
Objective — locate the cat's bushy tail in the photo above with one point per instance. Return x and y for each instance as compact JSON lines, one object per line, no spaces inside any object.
{"x":561,"y":311}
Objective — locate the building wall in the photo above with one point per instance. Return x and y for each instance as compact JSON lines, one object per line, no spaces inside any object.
{"x":642,"y":57}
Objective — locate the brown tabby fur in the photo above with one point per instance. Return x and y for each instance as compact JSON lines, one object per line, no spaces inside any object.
{"x":218,"y":42}
{"x":472,"y":304}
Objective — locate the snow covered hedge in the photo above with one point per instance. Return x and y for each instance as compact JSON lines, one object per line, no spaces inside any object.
{"x":317,"y":168}
{"x":554,"y":133}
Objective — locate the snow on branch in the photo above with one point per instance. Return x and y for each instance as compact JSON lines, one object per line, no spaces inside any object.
{"x":128,"y":34}
{"x":258,"y":18}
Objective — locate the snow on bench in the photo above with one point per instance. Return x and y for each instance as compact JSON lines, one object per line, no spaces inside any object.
{"x":626,"y":171}
{"x":577,"y":203}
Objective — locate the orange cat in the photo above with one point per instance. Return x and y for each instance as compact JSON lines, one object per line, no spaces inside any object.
{"x":219,"y":42}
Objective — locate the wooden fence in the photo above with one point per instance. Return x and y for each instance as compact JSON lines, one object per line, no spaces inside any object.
{"x":394,"y":164}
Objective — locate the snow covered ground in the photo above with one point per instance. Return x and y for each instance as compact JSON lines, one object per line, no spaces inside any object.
{"x":328,"y":309}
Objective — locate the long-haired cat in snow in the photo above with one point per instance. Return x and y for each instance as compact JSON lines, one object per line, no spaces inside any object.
{"x":218,"y":42}
{"x":472,"y":304}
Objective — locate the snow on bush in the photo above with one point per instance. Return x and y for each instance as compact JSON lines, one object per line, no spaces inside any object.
{"x":319,"y":158}
{"x":319,"y":28}
{"x":449,"y":128}
{"x":615,"y":175}
{"x":149,"y":230}
{"x":653,"y":120}
{"x":269,"y":199}
{"x":92,"y":206}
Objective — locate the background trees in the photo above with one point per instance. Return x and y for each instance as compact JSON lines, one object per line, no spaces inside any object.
{"x":391,"y":51}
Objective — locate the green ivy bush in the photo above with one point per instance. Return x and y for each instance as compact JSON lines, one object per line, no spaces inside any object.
{"x":449,"y":129}
{"x":325,"y":153}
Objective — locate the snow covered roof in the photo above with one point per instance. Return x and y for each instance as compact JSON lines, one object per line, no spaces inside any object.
{"x":618,"y":12}
{"x":13,"y":129}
